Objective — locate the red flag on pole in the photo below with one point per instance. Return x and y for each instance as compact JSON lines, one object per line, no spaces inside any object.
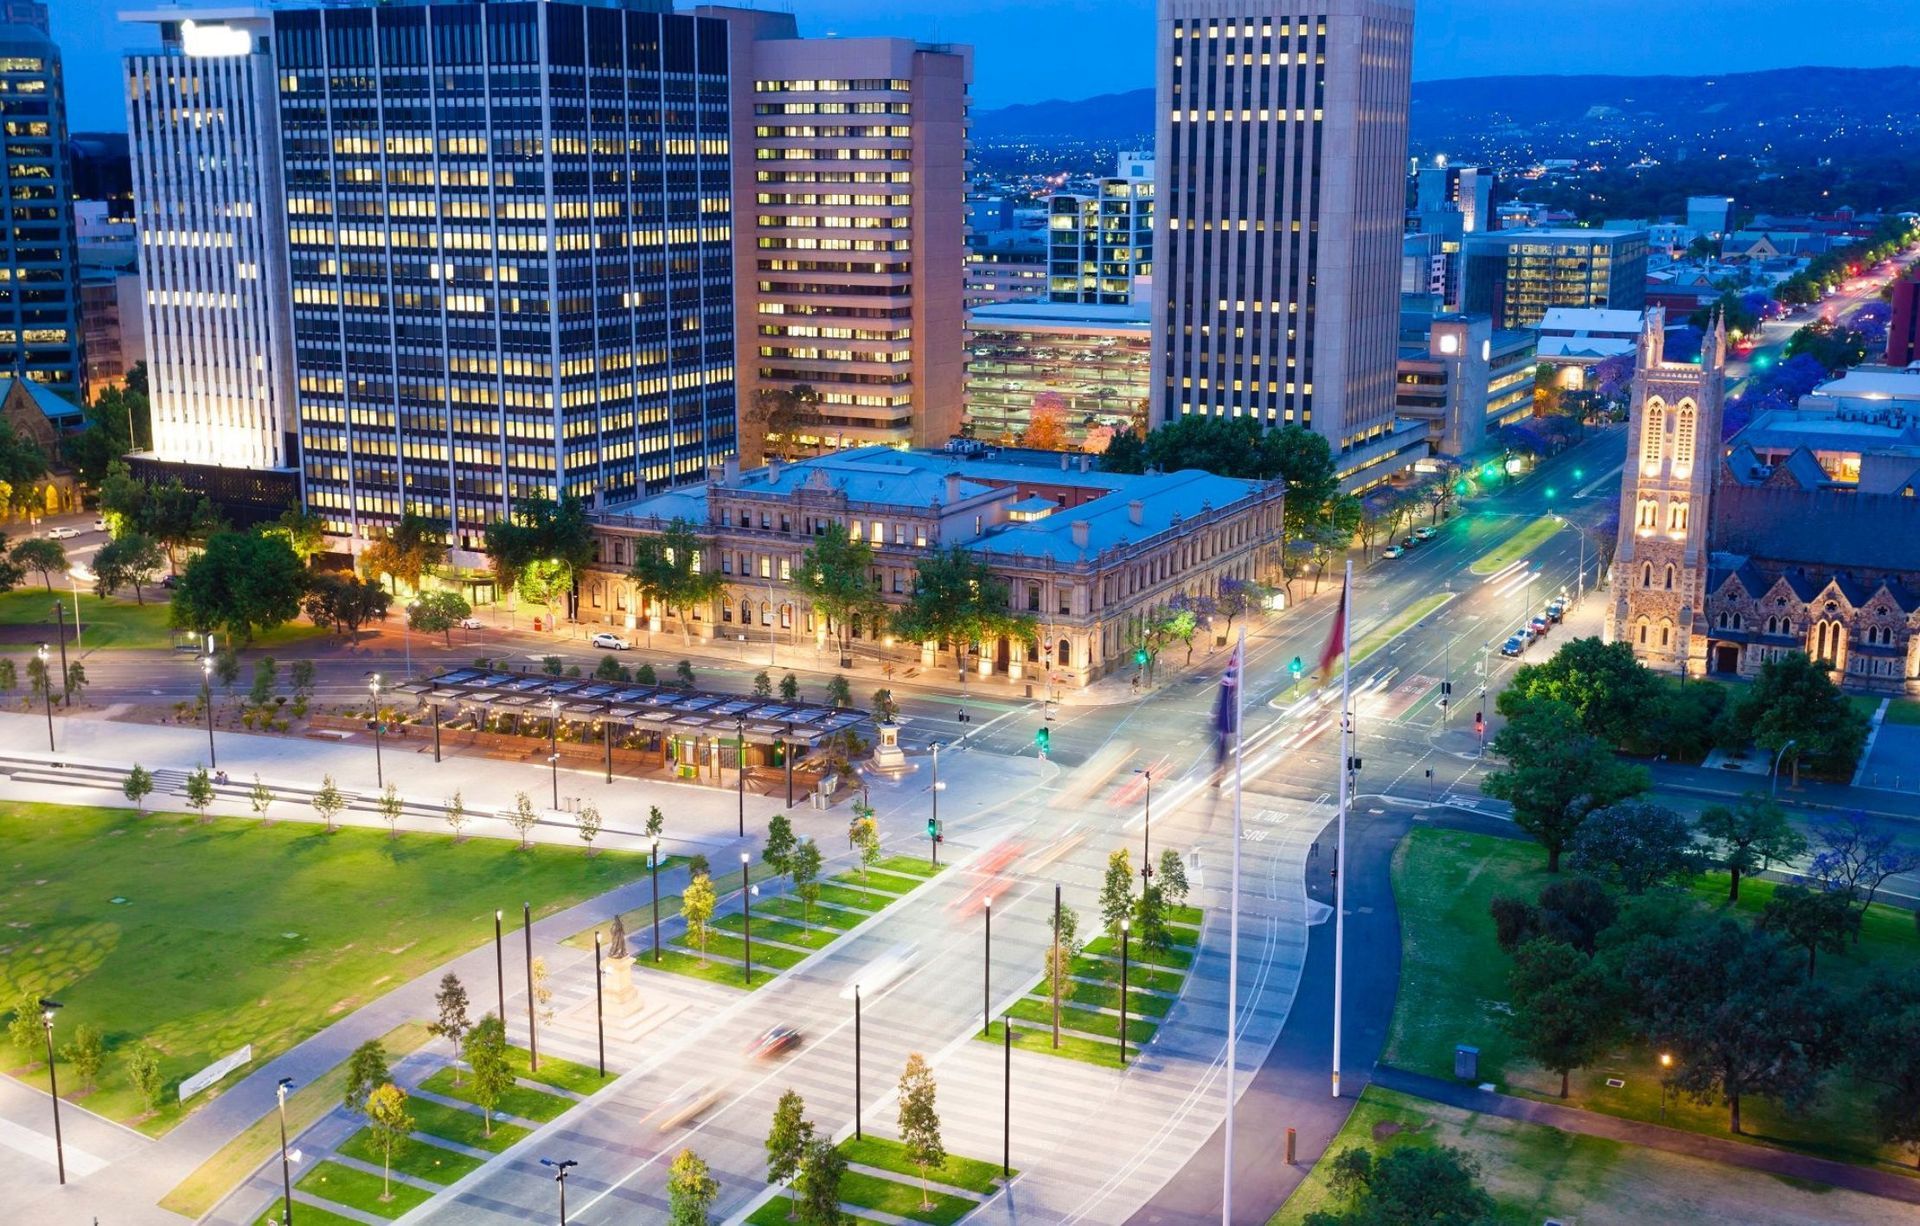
{"x":1337,"y":641}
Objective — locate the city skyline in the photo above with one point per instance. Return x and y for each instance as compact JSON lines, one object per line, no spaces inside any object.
{"x":1016,"y":61}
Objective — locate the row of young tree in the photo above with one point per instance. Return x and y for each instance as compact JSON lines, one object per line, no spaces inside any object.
{"x":1622,"y":951}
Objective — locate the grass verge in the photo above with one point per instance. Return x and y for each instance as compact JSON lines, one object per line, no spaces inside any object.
{"x":1029,"y":1037}
{"x":1378,"y":637}
{"x":562,"y":1074}
{"x":357,"y":1189}
{"x":956,"y":1172}
{"x":433,"y":1163}
{"x":903,"y":1200}
{"x":463,"y":1127}
{"x":1517,"y":546}
{"x":517,"y":1101}
{"x":233,"y":1162}
{"x":124,"y":623}
{"x":307,"y":1215}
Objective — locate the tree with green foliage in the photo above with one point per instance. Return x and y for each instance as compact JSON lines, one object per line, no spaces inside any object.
{"x":392,"y":1126}
{"x":1565,"y":1015}
{"x":1556,"y":774}
{"x":200,"y":792}
{"x":1884,"y":1053}
{"x":126,"y":561}
{"x":142,"y":1064}
{"x":1173,"y":877}
{"x":696,"y":908}
{"x":1749,"y":837}
{"x":304,"y":532}
{"x":790,"y":688}
{"x":176,"y":518}
{"x":367,"y":1071}
{"x":866,"y":840}
{"x":956,"y":600}
{"x":804,"y":869}
{"x":412,"y":547}
{"x":691,"y":1190}
{"x":671,"y":569}
{"x":656,"y":821}
{"x":822,"y":1167}
{"x":391,"y":807}
{"x":1813,"y":920}
{"x":836,"y":577}
{"x":1116,"y":893}
{"x":683,"y":674}
{"x":240,"y":584}
{"x":1061,"y":953}
{"x":523,"y":818}
{"x":328,"y":801}
{"x":260,"y":797}
{"x":1415,"y":1185}
{"x":644,"y":675}
{"x":540,"y":550}
{"x":114,"y":417}
{"x":43,"y":554}
{"x":588,"y":821}
{"x":1733,"y":1007}
{"x":487,"y":1060}
{"x":919,"y":1121}
{"x":1150,"y":920}
{"x":438,"y":612}
{"x":451,"y":1022}
{"x":1572,"y":910}
{"x":86,"y":1053}
{"x":138,"y":786}
{"x":25,"y":1029}
{"x":1634,"y":846}
{"x":1794,"y":699}
{"x":1607,"y":689}
{"x":23,"y":471}
{"x":10,"y":574}
{"x":344,"y":602}
{"x":762,"y":685}
{"x":266,"y":672}
{"x":455,"y":811}
{"x":787,"y":1142}
{"x":777,"y":852}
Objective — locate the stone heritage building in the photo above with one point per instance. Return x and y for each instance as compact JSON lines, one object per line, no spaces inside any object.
{"x":1086,"y":554}
{"x":1801,"y":534}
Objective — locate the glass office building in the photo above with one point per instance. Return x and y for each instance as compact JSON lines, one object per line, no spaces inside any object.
{"x":509,"y":253}
{"x":1516,"y":276}
{"x":1091,"y":363}
{"x":39,"y":261}
{"x":1098,"y":244}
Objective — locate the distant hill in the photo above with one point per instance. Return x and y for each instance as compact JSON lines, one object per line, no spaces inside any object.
{"x":1773,"y":108}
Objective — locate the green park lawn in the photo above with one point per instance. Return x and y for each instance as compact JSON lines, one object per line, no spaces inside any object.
{"x":202,"y":938}
{"x":956,"y":1172}
{"x":122,"y":622}
{"x":1903,"y":711}
{"x":358,"y":1189}
{"x":1517,"y":546}
{"x":517,"y":1100}
{"x":463,"y":1127}
{"x":306,"y":1215}
{"x":561,"y":1074}
{"x":1453,"y":989}
{"x":1536,"y":1173}
{"x":912,"y":866}
{"x":765,"y":928}
{"x":422,"y":1160}
{"x":817,"y":915}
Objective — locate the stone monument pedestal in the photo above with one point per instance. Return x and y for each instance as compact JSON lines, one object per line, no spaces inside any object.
{"x":620,"y":996}
{"x":887,"y":755}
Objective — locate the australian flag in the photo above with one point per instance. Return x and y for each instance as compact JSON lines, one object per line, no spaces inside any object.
{"x":1226,"y":719}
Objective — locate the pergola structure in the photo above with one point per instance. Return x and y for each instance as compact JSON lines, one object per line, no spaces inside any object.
{"x":694,"y":733}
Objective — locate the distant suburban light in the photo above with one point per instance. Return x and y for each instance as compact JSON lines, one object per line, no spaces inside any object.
{"x":214,"y":42}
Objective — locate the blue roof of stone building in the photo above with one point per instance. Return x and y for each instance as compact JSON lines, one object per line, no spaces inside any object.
{"x":1165,"y":499}
{"x":57,"y":407}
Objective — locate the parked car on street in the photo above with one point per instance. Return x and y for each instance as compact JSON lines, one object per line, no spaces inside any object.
{"x":1425,"y":532}
{"x":99,"y":525}
{"x":471,"y":623}
{"x":1514,"y":645}
{"x":1539,"y":627}
{"x":611,"y":642}
{"x":1556,"y":609}
{"x":62,"y":533}
{"x":1393,"y":551}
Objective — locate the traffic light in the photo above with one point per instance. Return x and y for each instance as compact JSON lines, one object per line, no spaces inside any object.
{"x":1296,"y":667}
{"x":1043,"y":738}
{"x":1577,"y":474}
{"x":1479,"y":723}
{"x":933,"y":828}
{"x":1140,"y":656}
{"x":1550,"y":493}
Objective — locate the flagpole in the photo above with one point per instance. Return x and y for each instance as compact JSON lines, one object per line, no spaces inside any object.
{"x":1340,"y":847}
{"x":1233,"y":934}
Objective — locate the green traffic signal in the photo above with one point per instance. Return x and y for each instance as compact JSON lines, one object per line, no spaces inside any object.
{"x":1043,"y":737}
{"x":1295,"y":666}
{"x":1549,"y":493}
{"x":1140,"y":656}
{"x":1576,"y":474}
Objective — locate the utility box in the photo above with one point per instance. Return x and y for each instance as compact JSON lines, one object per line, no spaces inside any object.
{"x":1466,"y":1063}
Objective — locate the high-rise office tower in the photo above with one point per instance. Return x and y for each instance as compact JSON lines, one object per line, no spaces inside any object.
{"x":1282,"y":170}
{"x":204,"y":139}
{"x":508,"y":230}
{"x":850,"y":158}
{"x":1098,"y":244}
{"x":1517,"y":276}
{"x":40,"y":301}
{"x":1466,"y":190}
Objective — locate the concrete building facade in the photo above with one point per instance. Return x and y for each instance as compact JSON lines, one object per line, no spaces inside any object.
{"x":1516,"y":276}
{"x":851,"y":154}
{"x":1091,"y":365}
{"x":1282,"y":145}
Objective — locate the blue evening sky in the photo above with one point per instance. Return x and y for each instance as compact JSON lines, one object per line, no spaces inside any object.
{"x":1032,"y":50}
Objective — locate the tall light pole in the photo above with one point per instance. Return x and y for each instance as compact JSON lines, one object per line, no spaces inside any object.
{"x":746,"y":903}
{"x":286,"y":1164}
{"x":599,"y":1009}
{"x":560,"y":1170}
{"x":1126,"y":940}
{"x":406,"y":634}
{"x":206,"y":699}
{"x":740,"y":767}
{"x":53,"y":1087}
{"x":656,"y":900}
{"x":533,"y":1030}
{"x":1006,"y":1100}
{"x":60,"y":632}
{"x":46,"y":691}
{"x":379,"y":772}
{"x":500,"y":966}
{"x":986,"y":976}
{"x":1146,"y":832}
{"x":1774,"y":786}
{"x":856,"y":1062}
{"x":553,"y":746}
{"x":933,"y":823}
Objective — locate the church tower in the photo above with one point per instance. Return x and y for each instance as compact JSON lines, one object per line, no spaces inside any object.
{"x":1673,"y":448}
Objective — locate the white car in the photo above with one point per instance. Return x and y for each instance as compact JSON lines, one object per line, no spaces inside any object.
{"x":62,"y":533}
{"x":611,"y":642}
{"x":880,"y":972}
{"x":99,"y":525}
{"x":470,"y":623}
{"x":1393,"y":551}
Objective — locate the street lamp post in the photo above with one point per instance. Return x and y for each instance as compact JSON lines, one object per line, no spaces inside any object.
{"x":856,"y":1062}
{"x":533,"y":1030}
{"x":1146,"y":832}
{"x":500,"y":965}
{"x":379,"y":772}
{"x":286,"y":1164}
{"x":1126,"y":940}
{"x":46,"y":692}
{"x":553,"y":746}
{"x":656,"y":900}
{"x":746,"y":903}
{"x":740,"y":766}
{"x":60,"y":632}
{"x":206,"y":700}
{"x":606,"y":744}
{"x":599,"y":1010}
{"x":1774,"y":786}
{"x":560,"y":1170}
{"x":436,"y":732}
{"x":53,"y":1088}
{"x":933,"y":824}
{"x":986,"y":977}
{"x":1666,"y":1067}
{"x":1006,"y":1100}
{"x":406,"y":634}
